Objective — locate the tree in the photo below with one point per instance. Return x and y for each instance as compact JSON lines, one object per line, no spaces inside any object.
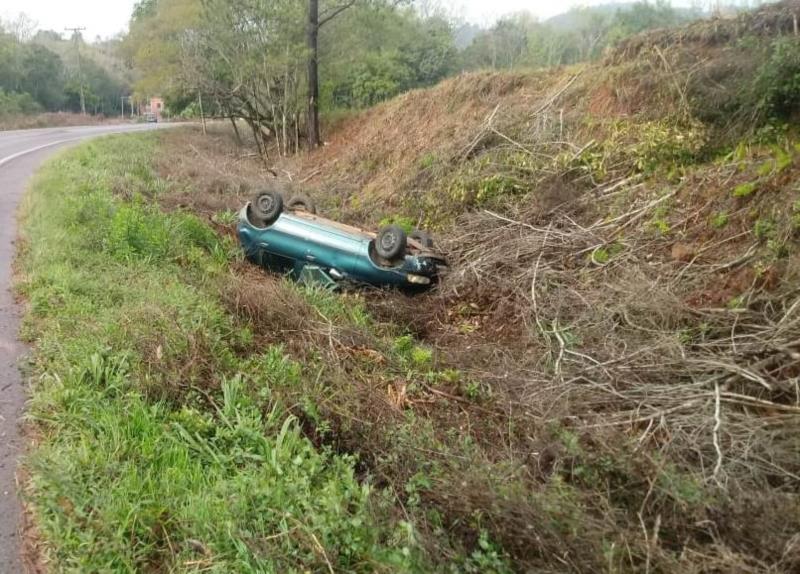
{"x":580,"y":34}
{"x":39,"y":71}
{"x":315,"y":22}
{"x":373,"y":52}
{"x":262,"y":60}
{"x":43,"y":76}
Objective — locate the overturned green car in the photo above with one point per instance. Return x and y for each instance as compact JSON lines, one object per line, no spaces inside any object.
{"x":289,"y":238}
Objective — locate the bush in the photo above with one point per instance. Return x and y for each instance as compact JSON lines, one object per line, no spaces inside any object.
{"x":777,"y":84}
{"x":15,"y":104}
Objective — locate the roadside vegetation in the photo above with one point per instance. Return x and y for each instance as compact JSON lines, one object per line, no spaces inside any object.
{"x":250,"y":60}
{"x":606,"y":380}
{"x":163,"y":440}
{"x":48,"y":80}
{"x":191,"y":53}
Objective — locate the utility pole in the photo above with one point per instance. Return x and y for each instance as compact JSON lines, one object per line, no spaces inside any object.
{"x":76,"y":38}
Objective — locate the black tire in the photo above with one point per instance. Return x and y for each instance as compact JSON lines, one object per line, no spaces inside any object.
{"x":391,"y":242}
{"x":423,"y":238}
{"x":301,"y":201}
{"x":266,"y":206}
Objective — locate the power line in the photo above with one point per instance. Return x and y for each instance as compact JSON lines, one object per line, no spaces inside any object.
{"x":76,"y":38}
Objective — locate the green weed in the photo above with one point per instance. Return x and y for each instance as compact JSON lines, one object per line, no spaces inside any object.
{"x":428,"y":160}
{"x":719,"y":220}
{"x":487,"y":558}
{"x":745,"y":189}
{"x":605,"y":254}
{"x":412,"y":355}
{"x":738,"y":302}
{"x":160,"y":446}
{"x":764,"y":229}
{"x":795,"y":216}
{"x":406,"y":223}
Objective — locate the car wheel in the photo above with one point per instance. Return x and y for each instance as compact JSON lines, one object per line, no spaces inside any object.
{"x":391,"y":242}
{"x":423,"y":238}
{"x":303,"y":202}
{"x":266,"y":207}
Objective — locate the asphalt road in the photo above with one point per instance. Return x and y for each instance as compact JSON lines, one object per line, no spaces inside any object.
{"x":21,"y":153}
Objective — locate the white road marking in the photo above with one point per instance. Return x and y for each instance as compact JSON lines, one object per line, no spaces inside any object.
{"x":14,"y":156}
{"x":87,"y":133}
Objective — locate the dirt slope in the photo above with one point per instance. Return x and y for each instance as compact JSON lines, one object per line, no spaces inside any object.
{"x":614,"y":371}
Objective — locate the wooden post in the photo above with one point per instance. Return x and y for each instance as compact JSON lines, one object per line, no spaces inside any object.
{"x":202,"y":116}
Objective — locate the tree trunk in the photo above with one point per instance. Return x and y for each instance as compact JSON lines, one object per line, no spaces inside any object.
{"x":235,"y":129}
{"x":202,"y":115}
{"x":312,"y":32}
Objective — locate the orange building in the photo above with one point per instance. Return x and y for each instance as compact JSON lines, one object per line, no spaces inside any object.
{"x":156,"y":106}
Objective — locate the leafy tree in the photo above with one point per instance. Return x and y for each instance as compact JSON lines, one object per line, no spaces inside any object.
{"x":252,"y":59}
{"x":777,"y":85}
{"x":581,"y":34}
{"x":40,"y":72}
{"x":43,"y":76}
{"x":13,"y":104}
{"x":158,"y":45}
{"x":375,"y":52}
{"x":378,"y":78}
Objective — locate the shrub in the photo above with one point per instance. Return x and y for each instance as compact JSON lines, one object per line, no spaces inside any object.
{"x":136,"y":233}
{"x":406,"y":223}
{"x":16,"y":104}
{"x":778,"y":82}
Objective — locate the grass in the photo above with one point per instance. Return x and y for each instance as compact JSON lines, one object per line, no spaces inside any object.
{"x":191,"y":408}
{"x":424,"y":395}
{"x":161,"y":443}
{"x":49,"y":120}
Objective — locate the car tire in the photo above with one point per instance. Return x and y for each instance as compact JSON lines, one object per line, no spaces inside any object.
{"x":301,"y":201}
{"x":391,"y":242}
{"x":423,"y":238}
{"x":266,"y":206}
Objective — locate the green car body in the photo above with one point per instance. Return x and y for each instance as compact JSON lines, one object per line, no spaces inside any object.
{"x":297,"y":241}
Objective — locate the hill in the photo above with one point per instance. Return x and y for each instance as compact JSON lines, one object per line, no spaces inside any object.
{"x":573,"y":19}
{"x":623,"y":298}
{"x":606,"y":380}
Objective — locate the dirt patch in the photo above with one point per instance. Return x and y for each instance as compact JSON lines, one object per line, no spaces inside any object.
{"x":208,"y":175}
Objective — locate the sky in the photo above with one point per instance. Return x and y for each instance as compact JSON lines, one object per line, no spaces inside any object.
{"x":106,"y":18}
{"x":103,"y":18}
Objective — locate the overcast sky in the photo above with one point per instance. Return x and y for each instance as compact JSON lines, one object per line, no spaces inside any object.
{"x":108,"y":17}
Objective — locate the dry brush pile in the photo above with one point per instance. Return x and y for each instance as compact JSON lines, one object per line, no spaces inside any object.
{"x":609,"y":377}
{"x":624,"y":287}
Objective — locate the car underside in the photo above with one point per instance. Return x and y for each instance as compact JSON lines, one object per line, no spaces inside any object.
{"x":291,"y":239}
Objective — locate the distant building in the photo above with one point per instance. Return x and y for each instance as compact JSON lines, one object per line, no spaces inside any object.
{"x":156,"y":106}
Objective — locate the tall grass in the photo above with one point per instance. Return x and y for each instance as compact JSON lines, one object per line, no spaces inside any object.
{"x":161,"y":445}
